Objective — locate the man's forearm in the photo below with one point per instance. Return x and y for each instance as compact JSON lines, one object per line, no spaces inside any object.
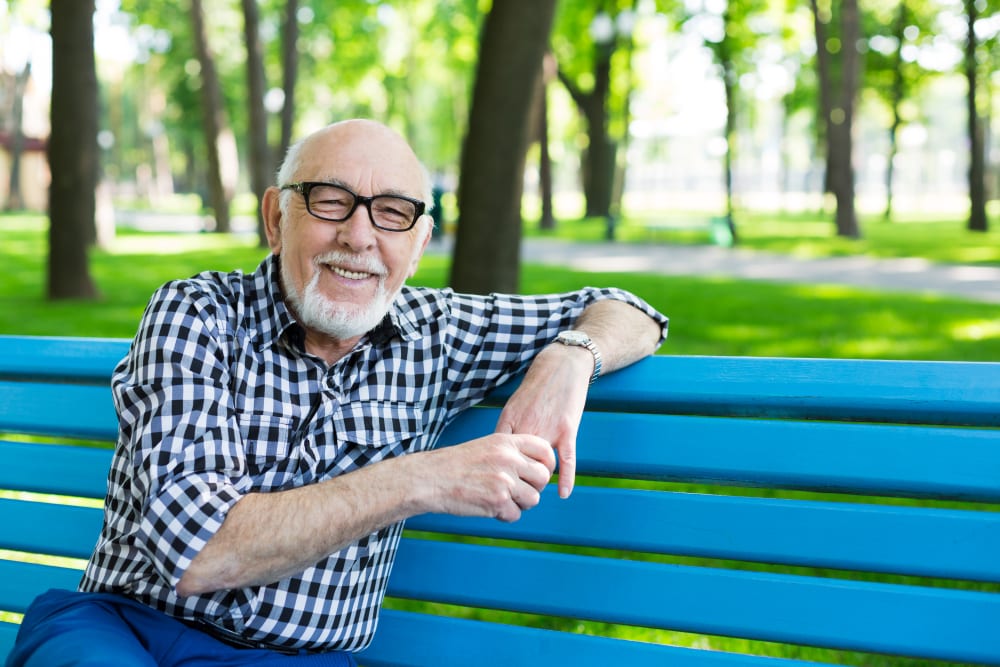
{"x":623,"y":333}
{"x":268,"y":536}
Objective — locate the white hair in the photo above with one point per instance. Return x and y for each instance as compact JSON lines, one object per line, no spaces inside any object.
{"x":290,"y":166}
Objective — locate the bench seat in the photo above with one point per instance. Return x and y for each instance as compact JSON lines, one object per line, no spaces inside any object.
{"x":730,"y":511}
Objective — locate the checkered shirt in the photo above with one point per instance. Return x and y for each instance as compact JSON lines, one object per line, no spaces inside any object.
{"x":214,"y":386}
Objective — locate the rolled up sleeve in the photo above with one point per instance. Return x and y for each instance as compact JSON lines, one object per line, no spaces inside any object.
{"x":177,"y":420}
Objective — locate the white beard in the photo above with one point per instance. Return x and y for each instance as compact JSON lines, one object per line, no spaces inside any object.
{"x":340,"y":321}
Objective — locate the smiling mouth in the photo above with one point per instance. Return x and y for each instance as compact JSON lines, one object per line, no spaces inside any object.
{"x":350,"y":275}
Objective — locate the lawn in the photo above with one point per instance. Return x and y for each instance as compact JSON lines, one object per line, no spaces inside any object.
{"x":806,"y":235}
{"x":712,"y":316}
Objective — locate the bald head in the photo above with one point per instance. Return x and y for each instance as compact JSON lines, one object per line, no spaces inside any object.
{"x":368,"y":149}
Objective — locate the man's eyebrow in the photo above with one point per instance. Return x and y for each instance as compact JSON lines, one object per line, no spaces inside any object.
{"x":400,"y":193}
{"x":396,"y":192}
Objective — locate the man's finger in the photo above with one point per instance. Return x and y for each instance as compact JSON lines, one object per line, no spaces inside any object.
{"x":567,"y":468}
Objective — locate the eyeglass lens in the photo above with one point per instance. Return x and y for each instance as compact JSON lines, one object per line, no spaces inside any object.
{"x":336,"y":203}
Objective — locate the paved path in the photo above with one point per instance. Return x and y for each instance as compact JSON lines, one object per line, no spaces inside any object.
{"x":978,"y":283}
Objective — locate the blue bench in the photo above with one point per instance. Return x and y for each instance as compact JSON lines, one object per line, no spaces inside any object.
{"x":757,"y":507}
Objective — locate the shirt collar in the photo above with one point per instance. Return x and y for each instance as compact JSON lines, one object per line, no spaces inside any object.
{"x":275,"y":320}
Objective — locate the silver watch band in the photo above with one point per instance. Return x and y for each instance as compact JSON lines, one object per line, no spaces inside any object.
{"x":576,"y":338}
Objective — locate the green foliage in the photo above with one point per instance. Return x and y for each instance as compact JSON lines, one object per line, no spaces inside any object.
{"x":407,"y":64}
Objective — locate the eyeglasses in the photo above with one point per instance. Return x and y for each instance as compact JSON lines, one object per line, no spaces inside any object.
{"x":393,"y":213}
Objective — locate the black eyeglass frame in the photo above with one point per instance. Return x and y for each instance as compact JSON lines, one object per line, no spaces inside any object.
{"x":305,"y":187}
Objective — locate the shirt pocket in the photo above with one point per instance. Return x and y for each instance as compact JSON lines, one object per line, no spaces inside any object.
{"x":374,"y":430}
{"x":271,"y":463}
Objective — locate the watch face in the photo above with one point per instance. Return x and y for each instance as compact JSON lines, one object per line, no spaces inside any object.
{"x":574,"y":337}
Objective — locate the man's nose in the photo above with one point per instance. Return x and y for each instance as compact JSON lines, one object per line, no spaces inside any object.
{"x":357,"y":232}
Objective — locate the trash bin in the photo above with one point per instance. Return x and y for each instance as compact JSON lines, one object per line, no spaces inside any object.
{"x":722,"y":234}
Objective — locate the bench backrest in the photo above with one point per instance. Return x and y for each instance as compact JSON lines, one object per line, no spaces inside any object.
{"x":842,"y":504}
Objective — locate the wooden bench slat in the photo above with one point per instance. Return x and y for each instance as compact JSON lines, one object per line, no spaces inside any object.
{"x":46,"y":528}
{"x":901,"y":620}
{"x":51,"y":468}
{"x":23,"y":582}
{"x":63,"y":358}
{"x":925,"y":542}
{"x":8,"y":631}
{"x":876,"y":459}
{"x":923,"y":392}
{"x":857,"y":389}
{"x":406,"y":639}
{"x":82,"y":411}
{"x":854,"y":458}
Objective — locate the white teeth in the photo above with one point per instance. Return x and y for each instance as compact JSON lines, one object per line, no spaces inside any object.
{"x":352,"y":275}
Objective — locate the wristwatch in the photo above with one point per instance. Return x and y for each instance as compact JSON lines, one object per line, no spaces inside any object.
{"x":578,"y":338}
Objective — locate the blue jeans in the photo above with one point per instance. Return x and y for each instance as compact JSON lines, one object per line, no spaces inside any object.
{"x":70,"y":628}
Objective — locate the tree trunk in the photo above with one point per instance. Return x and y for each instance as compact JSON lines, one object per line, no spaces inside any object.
{"x":825,"y":88}
{"x":897,"y":94}
{"x":599,"y":159}
{"x":260,"y":158}
{"x":977,"y":156}
{"x":729,"y":83}
{"x":72,"y":150}
{"x":289,"y":73}
{"x":14,"y":200}
{"x":213,"y":119}
{"x":487,"y":244}
{"x":842,"y":140}
{"x":837,"y":103}
{"x":548,"y":220}
{"x":540,"y":115}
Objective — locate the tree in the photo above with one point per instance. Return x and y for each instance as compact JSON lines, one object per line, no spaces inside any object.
{"x":72,"y":150}
{"x":892,"y":71}
{"x":289,"y":74}
{"x":608,"y":32}
{"x":977,"y":151}
{"x":837,"y":102}
{"x":731,"y":49}
{"x":487,"y":246}
{"x":260,"y":154}
{"x":218,"y":136}
{"x":541,"y":114}
{"x":14,"y":200}
{"x":898,"y":89}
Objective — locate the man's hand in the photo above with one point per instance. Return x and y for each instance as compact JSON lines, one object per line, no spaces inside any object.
{"x":550,"y":401}
{"x":549,"y":404}
{"x":497,"y":476}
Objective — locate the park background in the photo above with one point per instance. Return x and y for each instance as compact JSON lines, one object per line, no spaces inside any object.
{"x":136,"y":136}
{"x":749,"y":123}
{"x":746,"y":123}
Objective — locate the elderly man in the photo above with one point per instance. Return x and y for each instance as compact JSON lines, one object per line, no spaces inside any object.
{"x":277,"y":428}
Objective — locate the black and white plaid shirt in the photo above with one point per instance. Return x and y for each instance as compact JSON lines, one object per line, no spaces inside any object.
{"x":211,"y":395}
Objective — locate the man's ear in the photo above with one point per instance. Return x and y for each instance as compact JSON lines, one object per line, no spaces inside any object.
{"x":270,"y":211}
{"x":427,"y":223}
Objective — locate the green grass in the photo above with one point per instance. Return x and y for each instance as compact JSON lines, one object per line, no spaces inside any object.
{"x":712,"y":316}
{"x":809,"y":235}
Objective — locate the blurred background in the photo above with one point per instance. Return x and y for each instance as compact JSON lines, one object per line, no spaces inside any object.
{"x":412,"y":64}
{"x":620,"y":117}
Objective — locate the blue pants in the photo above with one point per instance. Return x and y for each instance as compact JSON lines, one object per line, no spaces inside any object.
{"x":69,"y":628}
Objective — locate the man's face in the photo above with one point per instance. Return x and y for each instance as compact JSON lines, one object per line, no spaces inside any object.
{"x":341,"y":277}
